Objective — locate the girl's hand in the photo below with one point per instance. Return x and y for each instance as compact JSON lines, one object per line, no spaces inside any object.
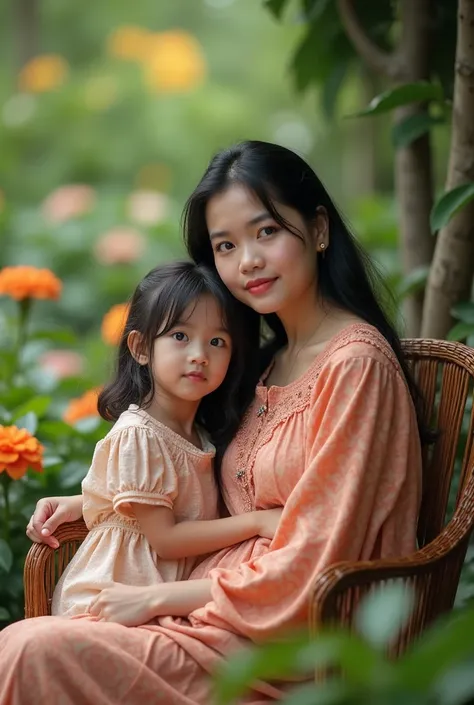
{"x":125,"y":604}
{"x":268,"y":521}
{"x":50,"y":513}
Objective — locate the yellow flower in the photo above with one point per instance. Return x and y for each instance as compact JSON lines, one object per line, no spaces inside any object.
{"x":19,"y":450}
{"x":129,"y":42}
{"x":81,"y":407}
{"x":175,"y":62}
{"x":43,"y":73}
{"x":113,"y":324}
{"x":29,"y":283}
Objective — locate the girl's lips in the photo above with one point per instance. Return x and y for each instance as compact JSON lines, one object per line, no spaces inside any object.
{"x":196,"y":376}
{"x":259,"y":286}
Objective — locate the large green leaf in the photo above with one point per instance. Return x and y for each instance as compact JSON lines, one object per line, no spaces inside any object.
{"x":380,"y":618}
{"x":414,"y":282}
{"x":38,"y":405}
{"x":449,"y":204}
{"x":461,"y":331}
{"x":417,"y":92}
{"x":408,"y":130}
{"x":4,"y":614}
{"x":6,"y":556}
{"x":464,"y":310}
{"x":29,"y":421}
{"x":276,"y":7}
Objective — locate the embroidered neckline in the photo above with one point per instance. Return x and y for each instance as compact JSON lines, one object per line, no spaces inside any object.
{"x":261,"y":420}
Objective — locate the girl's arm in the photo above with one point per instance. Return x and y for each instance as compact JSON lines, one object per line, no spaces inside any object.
{"x":172,"y":541}
{"x":131,"y":606}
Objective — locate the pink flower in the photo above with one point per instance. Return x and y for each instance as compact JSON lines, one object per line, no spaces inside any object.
{"x":62,"y":363}
{"x":68,"y":202}
{"x":120,"y":246}
{"x":148,"y":207}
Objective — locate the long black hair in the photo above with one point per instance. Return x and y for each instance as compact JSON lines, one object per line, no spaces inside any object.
{"x":347,"y":277}
{"x":155,"y":307}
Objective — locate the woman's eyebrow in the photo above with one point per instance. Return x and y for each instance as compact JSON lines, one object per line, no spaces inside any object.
{"x":253,"y":221}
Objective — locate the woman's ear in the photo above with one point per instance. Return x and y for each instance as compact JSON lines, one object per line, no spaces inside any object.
{"x":321,"y":229}
{"x":136,"y":347}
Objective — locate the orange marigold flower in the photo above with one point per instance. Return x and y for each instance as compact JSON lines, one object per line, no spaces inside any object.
{"x":175,"y":62}
{"x":43,"y":73}
{"x":129,"y":42}
{"x":25,"y":282}
{"x":82,"y":407}
{"x":113,"y":323}
{"x":19,"y":450}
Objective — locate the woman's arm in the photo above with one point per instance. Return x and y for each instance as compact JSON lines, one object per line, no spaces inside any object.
{"x":172,"y":541}
{"x":50,"y":513}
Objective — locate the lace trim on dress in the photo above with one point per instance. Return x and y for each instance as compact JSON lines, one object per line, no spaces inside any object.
{"x":262,"y":419}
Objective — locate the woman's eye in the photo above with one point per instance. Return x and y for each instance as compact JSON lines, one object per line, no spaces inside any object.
{"x":268,"y":230}
{"x":224,"y":247}
{"x":180,"y":336}
{"x":218,"y":342}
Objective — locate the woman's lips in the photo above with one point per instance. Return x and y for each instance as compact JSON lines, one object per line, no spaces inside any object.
{"x":259,"y":286}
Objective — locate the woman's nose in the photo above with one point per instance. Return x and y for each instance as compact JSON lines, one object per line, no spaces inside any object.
{"x":250,"y":260}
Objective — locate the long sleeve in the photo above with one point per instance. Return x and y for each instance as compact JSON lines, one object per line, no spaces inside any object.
{"x":356,"y":498}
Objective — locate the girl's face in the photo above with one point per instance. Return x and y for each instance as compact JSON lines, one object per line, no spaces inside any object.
{"x":191,"y":359}
{"x":264,"y":265}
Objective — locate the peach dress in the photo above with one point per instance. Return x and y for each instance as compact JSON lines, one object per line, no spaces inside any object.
{"x":339,"y":448}
{"x":139,"y":460}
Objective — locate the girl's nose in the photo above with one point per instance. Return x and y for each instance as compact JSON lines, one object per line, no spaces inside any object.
{"x":250,"y":260}
{"x":198,"y":355}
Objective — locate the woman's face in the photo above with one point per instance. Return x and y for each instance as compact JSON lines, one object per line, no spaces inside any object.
{"x":264,"y":265}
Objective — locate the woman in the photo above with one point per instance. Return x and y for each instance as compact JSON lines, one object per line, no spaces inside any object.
{"x":331,"y":434}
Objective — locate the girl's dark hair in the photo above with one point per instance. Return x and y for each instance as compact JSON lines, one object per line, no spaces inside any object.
{"x":346,"y":276}
{"x":156,"y":306}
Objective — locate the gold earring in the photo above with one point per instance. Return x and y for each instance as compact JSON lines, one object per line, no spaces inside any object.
{"x":322,"y":247}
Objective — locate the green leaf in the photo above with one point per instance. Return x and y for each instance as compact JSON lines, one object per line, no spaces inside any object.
{"x":408,"y":130}
{"x":414,"y":282}
{"x":464,"y":310}
{"x":4,"y":615}
{"x":73,"y":473}
{"x":383,"y":613}
{"x":29,"y":421}
{"x":6,"y":556}
{"x":460,"y":331}
{"x":38,"y":405}
{"x":402,"y":95}
{"x":63,"y":336}
{"x":456,"y":686}
{"x":52,"y":460}
{"x":276,"y":7}
{"x":53,"y":430}
{"x":449,"y":204}
{"x":327,"y":693}
{"x":438,"y":649}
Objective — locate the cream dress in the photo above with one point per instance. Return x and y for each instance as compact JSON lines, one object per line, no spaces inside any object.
{"x":140,"y":460}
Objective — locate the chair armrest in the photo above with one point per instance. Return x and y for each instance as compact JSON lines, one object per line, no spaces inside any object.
{"x":45,"y":565}
{"x":432,"y":571}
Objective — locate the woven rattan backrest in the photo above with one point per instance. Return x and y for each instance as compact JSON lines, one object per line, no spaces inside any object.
{"x":444,"y":372}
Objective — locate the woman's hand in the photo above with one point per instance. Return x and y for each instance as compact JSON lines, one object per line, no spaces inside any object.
{"x":50,"y":513}
{"x":268,"y":521}
{"x":125,"y":604}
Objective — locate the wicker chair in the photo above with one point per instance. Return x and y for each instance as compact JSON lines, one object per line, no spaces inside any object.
{"x":445,"y":374}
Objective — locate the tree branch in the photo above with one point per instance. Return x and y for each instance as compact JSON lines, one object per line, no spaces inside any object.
{"x":388,"y":64}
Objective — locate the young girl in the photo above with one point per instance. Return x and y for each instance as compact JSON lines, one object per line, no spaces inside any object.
{"x":150,"y":498}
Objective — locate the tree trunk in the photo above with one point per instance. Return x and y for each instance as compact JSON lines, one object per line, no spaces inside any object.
{"x":452,"y":270}
{"x":27,"y":29}
{"x":413,"y":168}
{"x":413,"y":181}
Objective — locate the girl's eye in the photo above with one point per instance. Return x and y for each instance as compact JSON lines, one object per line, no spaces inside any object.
{"x":268,"y":230}
{"x":218,"y":342}
{"x":224,"y":246}
{"x":180,"y":336}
